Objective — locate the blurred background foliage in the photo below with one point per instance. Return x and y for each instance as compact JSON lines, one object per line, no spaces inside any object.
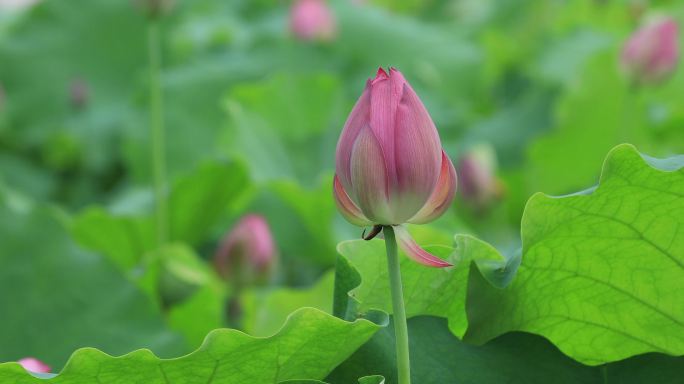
{"x":252,"y":118}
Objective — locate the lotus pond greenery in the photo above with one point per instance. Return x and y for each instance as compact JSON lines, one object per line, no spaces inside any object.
{"x":565,"y":239}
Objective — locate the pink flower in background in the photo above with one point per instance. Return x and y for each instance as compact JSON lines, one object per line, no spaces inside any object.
{"x":79,"y":93}
{"x":312,"y":20}
{"x":477,"y":173}
{"x":34,"y":365}
{"x":247,"y":249}
{"x":651,"y":53}
{"x":390,"y":166}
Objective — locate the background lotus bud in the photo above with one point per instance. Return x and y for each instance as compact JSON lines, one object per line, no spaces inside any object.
{"x":79,"y":93}
{"x":651,"y":53}
{"x":34,"y":365}
{"x":154,"y":8}
{"x":477,"y":171}
{"x":390,"y":166}
{"x":247,"y":252}
{"x":312,"y":20}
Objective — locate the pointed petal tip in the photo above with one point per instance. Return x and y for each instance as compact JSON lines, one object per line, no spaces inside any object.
{"x":380,"y":75}
{"x":349,"y":210}
{"x":415,"y":252}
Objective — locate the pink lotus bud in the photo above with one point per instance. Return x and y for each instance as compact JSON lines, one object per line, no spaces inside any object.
{"x":312,"y":20}
{"x":390,"y":166}
{"x":477,"y":169}
{"x":248,"y":249}
{"x":651,"y":53}
{"x":79,"y":93}
{"x":34,"y":365}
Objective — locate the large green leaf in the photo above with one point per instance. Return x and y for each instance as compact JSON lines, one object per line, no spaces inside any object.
{"x":309,"y":346}
{"x":362,"y":280}
{"x":517,"y":358}
{"x":265,"y":309}
{"x":364,"y":380}
{"x":56,"y":297}
{"x":602,"y":270}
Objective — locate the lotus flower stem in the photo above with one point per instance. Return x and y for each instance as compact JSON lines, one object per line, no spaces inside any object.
{"x":157,"y":136}
{"x":400,"y":328}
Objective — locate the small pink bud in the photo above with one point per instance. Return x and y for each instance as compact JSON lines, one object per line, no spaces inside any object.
{"x":79,"y":93}
{"x":312,"y":20}
{"x":651,"y":53}
{"x":390,"y":166}
{"x":248,"y":249}
{"x":34,"y":365}
{"x":477,"y":169}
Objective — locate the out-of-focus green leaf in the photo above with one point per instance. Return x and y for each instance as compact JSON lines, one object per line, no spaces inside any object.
{"x":266,"y":309}
{"x":199,"y":314}
{"x":602,"y":269}
{"x":309,"y":346}
{"x":101,"y":47}
{"x":590,"y":120}
{"x":56,"y":297}
{"x":285,"y":126}
{"x":197,"y":202}
{"x":123,"y":239}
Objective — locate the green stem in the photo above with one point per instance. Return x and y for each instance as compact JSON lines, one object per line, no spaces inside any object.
{"x":157,"y":131}
{"x":400,"y":328}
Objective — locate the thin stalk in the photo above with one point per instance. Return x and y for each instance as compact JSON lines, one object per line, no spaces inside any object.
{"x":157,"y":134}
{"x":400,"y":328}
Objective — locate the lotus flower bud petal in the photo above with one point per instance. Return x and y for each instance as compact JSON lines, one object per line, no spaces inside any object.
{"x":415,"y":252}
{"x":651,"y":53}
{"x":312,"y":20}
{"x":389,"y":158}
{"x":346,"y":206}
{"x":34,"y":365}
{"x":442,"y":195}
{"x":249,"y":245}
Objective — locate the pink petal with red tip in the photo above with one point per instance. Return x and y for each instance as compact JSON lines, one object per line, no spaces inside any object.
{"x":415,"y":252}
{"x":442,"y":195}
{"x":385,"y":94}
{"x":34,"y":365}
{"x":418,"y":156}
{"x":347,"y":207}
